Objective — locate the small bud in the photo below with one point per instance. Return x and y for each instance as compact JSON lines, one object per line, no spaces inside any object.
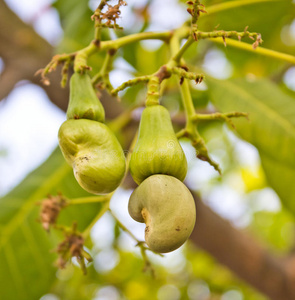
{"x":190,"y":11}
{"x":45,"y":81}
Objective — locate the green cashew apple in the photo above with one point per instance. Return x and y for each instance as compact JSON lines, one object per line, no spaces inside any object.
{"x":84,"y":103}
{"x":95,"y":154}
{"x":157,"y":150}
{"x":167,"y":208}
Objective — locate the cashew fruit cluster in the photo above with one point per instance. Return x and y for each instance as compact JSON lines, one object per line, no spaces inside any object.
{"x":87,"y":144}
{"x":161,"y":200}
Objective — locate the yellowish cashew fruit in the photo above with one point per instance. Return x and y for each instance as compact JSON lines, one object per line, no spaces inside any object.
{"x":157,"y":150}
{"x":84,"y":103}
{"x":95,"y":154}
{"x":167,"y":208}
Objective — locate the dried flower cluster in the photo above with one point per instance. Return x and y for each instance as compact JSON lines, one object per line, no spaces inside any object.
{"x":50,"y":208}
{"x":72,"y":246}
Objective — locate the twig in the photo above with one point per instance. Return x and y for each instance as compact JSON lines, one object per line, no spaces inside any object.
{"x":130,"y":82}
{"x":260,"y":50}
{"x":219,"y":116}
{"x":230,"y":34}
{"x":140,"y":244}
{"x":182,"y":73}
{"x":85,"y":200}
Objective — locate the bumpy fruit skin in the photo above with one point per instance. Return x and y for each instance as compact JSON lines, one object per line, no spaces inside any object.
{"x":84,"y":103}
{"x":167,"y":207}
{"x":157,"y":150}
{"x":95,"y":154}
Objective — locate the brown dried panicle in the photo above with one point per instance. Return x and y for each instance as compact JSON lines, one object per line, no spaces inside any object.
{"x":50,"y":208}
{"x":113,"y":13}
{"x":72,"y":246}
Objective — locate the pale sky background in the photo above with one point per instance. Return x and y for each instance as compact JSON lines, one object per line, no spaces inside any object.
{"x":29,"y":123}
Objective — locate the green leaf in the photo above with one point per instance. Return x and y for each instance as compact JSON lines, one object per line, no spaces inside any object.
{"x":271,"y":128}
{"x":77,"y":25}
{"x":270,"y":18}
{"x":263,"y":17}
{"x":143,"y":60}
{"x":275,"y":229}
{"x":26,"y":257}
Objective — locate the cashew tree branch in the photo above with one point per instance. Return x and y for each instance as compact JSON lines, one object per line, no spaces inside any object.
{"x":23,"y":52}
{"x":237,"y":250}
